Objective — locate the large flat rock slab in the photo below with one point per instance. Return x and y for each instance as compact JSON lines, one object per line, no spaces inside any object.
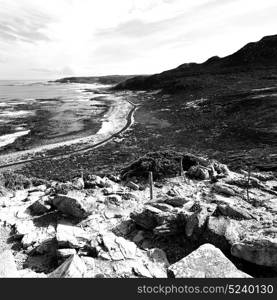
{"x":206,"y":262}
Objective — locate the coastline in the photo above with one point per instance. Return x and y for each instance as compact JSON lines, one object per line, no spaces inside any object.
{"x":117,"y":118}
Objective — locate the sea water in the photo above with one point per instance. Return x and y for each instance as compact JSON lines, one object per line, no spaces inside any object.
{"x":48,"y":111}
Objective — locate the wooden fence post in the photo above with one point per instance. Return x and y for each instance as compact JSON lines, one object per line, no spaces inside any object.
{"x":181,"y":167}
{"x":151,"y":185}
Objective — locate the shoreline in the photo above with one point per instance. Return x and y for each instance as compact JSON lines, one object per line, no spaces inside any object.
{"x":118,"y":118}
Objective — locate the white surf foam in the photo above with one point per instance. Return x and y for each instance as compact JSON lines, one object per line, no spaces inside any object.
{"x":10,"y":138}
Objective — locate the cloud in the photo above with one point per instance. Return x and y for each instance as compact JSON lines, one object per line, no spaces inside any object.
{"x":19,"y":23}
{"x":87,"y":37}
{"x":66,"y":71}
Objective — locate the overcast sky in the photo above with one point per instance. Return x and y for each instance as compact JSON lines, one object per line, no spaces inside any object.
{"x":48,"y":39}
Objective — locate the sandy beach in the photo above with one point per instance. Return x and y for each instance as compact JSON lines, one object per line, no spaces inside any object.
{"x":113,"y":122}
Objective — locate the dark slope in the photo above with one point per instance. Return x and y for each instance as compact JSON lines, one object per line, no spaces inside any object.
{"x":109,"y":79}
{"x":259,"y":58}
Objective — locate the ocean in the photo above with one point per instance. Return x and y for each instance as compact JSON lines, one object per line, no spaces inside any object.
{"x":36,"y":113}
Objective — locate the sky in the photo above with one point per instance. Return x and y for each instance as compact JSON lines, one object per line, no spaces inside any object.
{"x":57,"y":38}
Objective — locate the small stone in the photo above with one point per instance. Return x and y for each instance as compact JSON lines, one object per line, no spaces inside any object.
{"x":224,"y":189}
{"x":90,"y":265}
{"x":195,"y":223}
{"x":158,"y":256}
{"x":138,"y":237}
{"x":39,"y":188}
{"x":73,"y":267}
{"x":78,"y":183}
{"x":38,"y":236}
{"x":177,"y":201}
{"x":20,"y":195}
{"x":39,"y":207}
{"x":141,"y":271}
{"x":4,"y":201}
{"x":114,"y":178}
{"x":107,"y":191}
{"x":73,"y":204}
{"x":127,"y":248}
{"x":71,"y":236}
{"x":198,"y":172}
{"x":133,"y":186}
{"x":114,"y":199}
{"x":7,"y":265}
{"x":65,"y":253}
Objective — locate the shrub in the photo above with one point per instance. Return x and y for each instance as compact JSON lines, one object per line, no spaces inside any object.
{"x":14,"y":181}
{"x":161,"y":163}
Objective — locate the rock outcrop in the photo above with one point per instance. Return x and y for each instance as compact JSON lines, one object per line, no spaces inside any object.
{"x":206,"y":262}
{"x":110,"y":228}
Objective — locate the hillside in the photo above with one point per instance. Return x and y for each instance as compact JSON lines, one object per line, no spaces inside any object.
{"x":208,"y":223}
{"x":258,"y":57}
{"x":109,"y":79}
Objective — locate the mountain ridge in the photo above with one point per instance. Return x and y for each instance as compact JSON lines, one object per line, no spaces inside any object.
{"x":253,"y":57}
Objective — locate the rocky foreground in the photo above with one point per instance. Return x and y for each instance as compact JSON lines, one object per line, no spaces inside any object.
{"x":206,"y":222}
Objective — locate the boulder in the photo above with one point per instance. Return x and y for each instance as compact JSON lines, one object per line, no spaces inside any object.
{"x":23,"y":227}
{"x":177,"y":201}
{"x":206,"y":262}
{"x":196,"y":219}
{"x":261,"y":252}
{"x":150,"y":217}
{"x":7,"y":265}
{"x":39,"y":236}
{"x":138,"y":237}
{"x":73,"y":204}
{"x":34,"y":196}
{"x":195,"y":223}
{"x":116,"y":248}
{"x":158,"y":256}
{"x":224,"y":189}
{"x":234,"y":212}
{"x":222,"y":232}
{"x":78,"y":183}
{"x":71,"y":236}
{"x":96,"y":179}
{"x":39,"y":207}
{"x":156,"y":263}
{"x":221,"y":168}
{"x":198,"y":172}
{"x":20,"y":195}
{"x":73,"y":267}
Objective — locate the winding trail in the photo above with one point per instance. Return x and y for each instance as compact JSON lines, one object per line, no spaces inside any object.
{"x":130,"y":120}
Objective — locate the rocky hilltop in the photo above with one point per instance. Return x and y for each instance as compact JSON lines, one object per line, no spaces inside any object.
{"x":257,"y":58}
{"x":203,"y":220}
